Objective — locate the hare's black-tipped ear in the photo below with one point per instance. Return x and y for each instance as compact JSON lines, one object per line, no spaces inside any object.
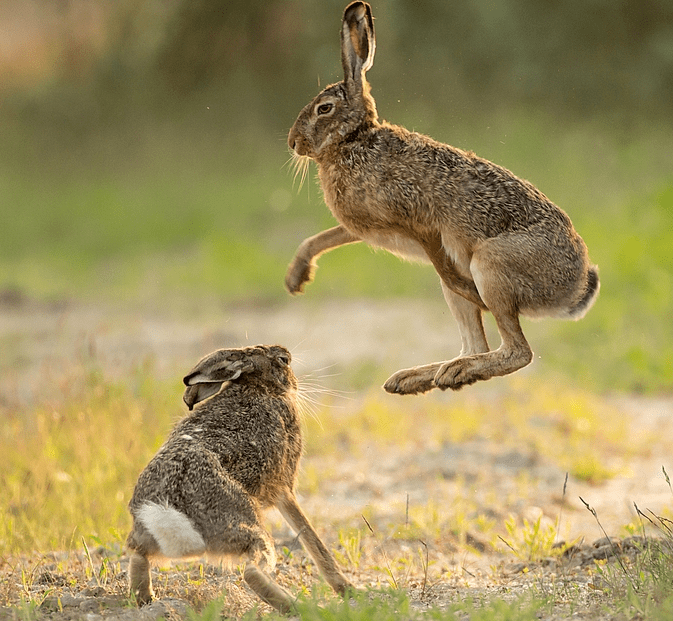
{"x":357,"y":42}
{"x":207,"y":378}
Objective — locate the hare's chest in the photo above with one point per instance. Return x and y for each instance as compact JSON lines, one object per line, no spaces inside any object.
{"x":354,"y":200}
{"x":375,"y":211}
{"x":261,"y":452}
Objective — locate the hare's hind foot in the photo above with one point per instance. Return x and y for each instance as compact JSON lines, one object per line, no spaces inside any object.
{"x":453,"y":374}
{"x":140,"y":579}
{"x":459,"y":372}
{"x":413,"y":381}
{"x":467,"y":370}
{"x":267,"y":590}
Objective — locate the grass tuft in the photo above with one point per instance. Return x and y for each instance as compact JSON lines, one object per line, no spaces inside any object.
{"x":69,"y":465}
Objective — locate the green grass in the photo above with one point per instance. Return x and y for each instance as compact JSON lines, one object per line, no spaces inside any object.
{"x":394,"y":605}
{"x":641,"y":587}
{"x":70,"y":464}
{"x":557,"y":420}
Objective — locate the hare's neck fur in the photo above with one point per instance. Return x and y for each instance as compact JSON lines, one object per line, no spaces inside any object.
{"x":371,"y":189}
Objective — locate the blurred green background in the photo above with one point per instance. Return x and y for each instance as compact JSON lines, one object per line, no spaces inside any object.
{"x":143,"y":151}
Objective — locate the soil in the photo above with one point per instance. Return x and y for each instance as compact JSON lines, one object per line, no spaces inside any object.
{"x":354,"y":345}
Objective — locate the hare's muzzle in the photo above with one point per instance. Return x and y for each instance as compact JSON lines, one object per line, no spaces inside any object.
{"x":294,"y":140}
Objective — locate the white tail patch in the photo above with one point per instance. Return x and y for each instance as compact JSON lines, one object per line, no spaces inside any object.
{"x":172,"y":530}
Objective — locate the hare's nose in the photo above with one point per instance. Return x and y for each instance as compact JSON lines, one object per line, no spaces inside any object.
{"x":292,"y":139}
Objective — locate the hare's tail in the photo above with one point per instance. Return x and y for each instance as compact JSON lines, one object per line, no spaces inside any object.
{"x":592,"y":287}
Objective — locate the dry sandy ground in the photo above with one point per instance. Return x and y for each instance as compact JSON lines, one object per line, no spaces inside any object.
{"x":355,"y":344}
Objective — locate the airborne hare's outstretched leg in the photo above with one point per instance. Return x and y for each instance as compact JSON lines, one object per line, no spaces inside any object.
{"x":470,"y":324}
{"x":500,"y":292}
{"x":423,"y":378}
{"x":513,"y":354}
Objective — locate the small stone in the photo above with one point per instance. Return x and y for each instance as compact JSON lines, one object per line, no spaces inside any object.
{"x":93,"y":591}
{"x":515,"y":568}
{"x":603,"y":553}
{"x":70,"y":601}
{"x":90,"y":604}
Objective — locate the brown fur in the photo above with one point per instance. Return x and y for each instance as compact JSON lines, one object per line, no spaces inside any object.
{"x":496,"y":241}
{"x":233,"y":457}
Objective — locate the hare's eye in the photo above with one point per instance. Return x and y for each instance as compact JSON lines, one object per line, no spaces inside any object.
{"x":325,"y":108}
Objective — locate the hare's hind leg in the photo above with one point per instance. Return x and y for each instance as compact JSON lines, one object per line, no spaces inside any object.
{"x":466,"y":304}
{"x":267,"y":590}
{"x":513,"y":354}
{"x":140,"y":578}
{"x":469,"y":319}
{"x":256,"y":544}
{"x":296,"y":518}
{"x":493,"y":275}
{"x":249,"y":540}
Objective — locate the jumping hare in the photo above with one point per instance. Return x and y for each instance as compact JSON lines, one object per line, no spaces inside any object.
{"x":497,"y":243}
{"x":237,"y":454}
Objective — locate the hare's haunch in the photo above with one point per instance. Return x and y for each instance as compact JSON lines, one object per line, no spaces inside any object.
{"x":497,"y":243}
{"x":237,"y":454}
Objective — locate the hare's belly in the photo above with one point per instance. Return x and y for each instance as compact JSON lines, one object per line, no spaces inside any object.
{"x":399,"y":245}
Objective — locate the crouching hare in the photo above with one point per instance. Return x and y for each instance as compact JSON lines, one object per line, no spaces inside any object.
{"x":237,"y":454}
{"x":497,"y":243}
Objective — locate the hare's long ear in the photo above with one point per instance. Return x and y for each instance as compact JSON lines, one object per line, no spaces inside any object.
{"x":207,"y":377}
{"x":357,"y":42}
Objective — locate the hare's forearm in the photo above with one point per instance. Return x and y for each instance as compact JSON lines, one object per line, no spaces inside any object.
{"x":324,"y":241}
{"x":291,"y":511}
{"x":303,"y":265}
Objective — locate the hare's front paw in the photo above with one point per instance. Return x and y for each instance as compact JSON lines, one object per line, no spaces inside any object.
{"x":298,"y":274}
{"x":412,"y":381}
{"x":458,"y":373}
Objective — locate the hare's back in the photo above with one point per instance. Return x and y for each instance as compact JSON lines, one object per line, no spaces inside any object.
{"x":474,"y":192}
{"x":392,"y":176}
{"x":256,"y":445}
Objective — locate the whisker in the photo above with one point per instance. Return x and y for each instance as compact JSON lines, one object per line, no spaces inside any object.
{"x":310,"y":407}
{"x":310,"y":376}
{"x":300,"y":164}
{"x":317,"y":404}
{"x":289,"y":162}
{"x":316,"y":388}
{"x":322,"y":390}
{"x":293,"y":349}
{"x":328,"y":366}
